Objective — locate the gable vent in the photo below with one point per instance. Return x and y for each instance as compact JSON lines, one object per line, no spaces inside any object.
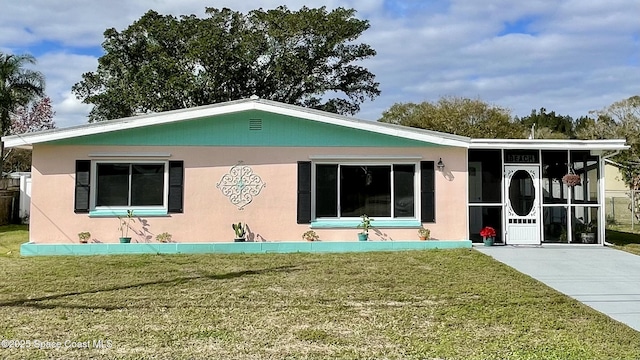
{"x":255,"y":124}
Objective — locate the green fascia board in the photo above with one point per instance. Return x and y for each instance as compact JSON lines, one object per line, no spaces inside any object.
{"x":32,"y":249}
{"x":245,"y":128}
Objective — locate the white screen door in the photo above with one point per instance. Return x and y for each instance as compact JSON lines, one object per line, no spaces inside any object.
{"x":522,"y":204}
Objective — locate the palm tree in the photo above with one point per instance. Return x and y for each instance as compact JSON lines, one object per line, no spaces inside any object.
{"x":18,"y":87}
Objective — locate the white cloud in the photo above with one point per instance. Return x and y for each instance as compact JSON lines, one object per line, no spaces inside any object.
{"x":570,"y":56}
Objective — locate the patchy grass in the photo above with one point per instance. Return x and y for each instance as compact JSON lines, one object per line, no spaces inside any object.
{"x":456,"y":304}
{"x":11,"y":236}
{"x":626,"y":241}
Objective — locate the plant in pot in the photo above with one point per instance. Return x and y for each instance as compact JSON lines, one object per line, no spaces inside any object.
{"x":84,"y":237}
{"x":310,"y":236}
{"x":240,"y":230}
{"x":365,"y":225}
{"x":125,"y":223}
{"x":165,"y":237}
{"x":488,"y":235}
{"x":571,"y":179}
{"x":424,"y":233}
{"x":587,"y":232}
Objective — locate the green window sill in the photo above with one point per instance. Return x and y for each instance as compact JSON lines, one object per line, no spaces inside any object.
{"x":352,"y":224}
{"x":123,"y":212}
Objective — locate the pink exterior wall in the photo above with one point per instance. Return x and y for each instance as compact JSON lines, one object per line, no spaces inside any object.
{"x":208,"y":214}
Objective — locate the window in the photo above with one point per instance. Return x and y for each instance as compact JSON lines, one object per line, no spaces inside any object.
{"x":130,"y":184}
{"x":110,"y":188}
{"x":378,"y":190}
{"x":485,"y":176}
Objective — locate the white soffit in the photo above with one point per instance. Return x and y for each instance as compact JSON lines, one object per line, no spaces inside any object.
{"x":548,"y":144}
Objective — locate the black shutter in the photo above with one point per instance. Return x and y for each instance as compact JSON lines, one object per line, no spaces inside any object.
{"x":427,"y":192}
{"x":83,"y":186}
{"x":176,"y":186}
{"x":304,"y":192}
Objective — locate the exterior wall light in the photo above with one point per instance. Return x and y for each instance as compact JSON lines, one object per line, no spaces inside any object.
{"x":440,"y":165}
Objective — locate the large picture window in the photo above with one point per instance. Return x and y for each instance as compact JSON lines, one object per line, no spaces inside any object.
{"x":130,"y":184}
{"x":378,"y":190}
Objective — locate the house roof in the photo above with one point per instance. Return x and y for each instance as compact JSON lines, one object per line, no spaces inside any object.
{"x":433,"y":137}
{"x":27,"y":140}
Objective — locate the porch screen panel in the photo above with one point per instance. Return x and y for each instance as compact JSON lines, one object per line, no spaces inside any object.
{"x":485,"y":176}
{"x":554,"y":167}
{"x":585,"y":165}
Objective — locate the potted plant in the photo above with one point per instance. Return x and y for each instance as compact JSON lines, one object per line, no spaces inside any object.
{"x":488,"y":235}
{"x":587,"y":233}
{"x":84,"y":237}
{"x":310,"y":236}
{"x":365,"y":225}
{"x":165,"y":237}
{"x":571,"y":179}
{"x":124,"y":227}
{"x":424,"y":233}
{"x":240,"y":231}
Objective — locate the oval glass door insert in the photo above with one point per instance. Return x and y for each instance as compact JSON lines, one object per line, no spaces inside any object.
{"x":522,"y":193}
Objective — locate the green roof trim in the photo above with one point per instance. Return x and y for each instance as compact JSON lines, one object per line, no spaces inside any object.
{"x":245,"y":128}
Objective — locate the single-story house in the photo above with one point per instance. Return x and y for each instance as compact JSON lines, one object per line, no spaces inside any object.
{"x":283,"y":169}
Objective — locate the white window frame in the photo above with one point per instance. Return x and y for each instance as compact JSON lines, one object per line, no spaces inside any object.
{"x":94,"y":185}
{"x":391,"y":163}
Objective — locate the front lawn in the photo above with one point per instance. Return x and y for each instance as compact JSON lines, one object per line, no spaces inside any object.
{"x":453,"y":304}
{"x":626,"y":241}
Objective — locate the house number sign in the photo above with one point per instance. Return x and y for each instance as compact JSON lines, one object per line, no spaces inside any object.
{"x":240,"y":185}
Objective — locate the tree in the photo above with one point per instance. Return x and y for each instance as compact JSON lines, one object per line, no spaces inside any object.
{"x":549,"y":125}
{"x":18,"y":86}
{"x":307,"y":57}
{"x":36,"y":116}
{"x":619,"y":120}
{"x":454,"y":115}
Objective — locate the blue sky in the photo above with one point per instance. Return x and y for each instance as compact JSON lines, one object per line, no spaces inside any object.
{"x":569,"y":56}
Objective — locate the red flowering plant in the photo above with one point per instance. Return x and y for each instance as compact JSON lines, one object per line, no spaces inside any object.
{"x":488,"y":231}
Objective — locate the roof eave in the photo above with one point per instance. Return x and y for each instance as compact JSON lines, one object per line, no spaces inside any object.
{"x":549,"y":144}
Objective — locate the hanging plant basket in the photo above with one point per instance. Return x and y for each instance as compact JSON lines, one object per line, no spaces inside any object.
{"x":571,"y":179}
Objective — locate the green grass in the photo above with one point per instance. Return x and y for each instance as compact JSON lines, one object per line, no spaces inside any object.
{"x":456,"y":304}
{"x":623,"y":240}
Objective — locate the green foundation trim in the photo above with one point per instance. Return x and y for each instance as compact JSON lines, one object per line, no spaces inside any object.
{"x":31,"y":249}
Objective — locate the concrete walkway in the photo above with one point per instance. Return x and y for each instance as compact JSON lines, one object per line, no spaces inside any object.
{"x":606,"y":279}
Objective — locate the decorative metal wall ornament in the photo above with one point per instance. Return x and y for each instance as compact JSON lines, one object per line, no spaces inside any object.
{"x":240,"y":185}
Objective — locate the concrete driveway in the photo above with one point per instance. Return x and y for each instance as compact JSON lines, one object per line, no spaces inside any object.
{"x":603,"y":278}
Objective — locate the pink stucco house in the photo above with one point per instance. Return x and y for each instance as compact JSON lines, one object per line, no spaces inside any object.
{"x":283,"y":170}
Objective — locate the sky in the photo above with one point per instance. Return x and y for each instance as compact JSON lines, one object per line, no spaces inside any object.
{"x":567,"y":56}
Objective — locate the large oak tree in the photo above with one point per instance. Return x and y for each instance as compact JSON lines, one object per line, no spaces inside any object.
{"x":308,"y":57}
